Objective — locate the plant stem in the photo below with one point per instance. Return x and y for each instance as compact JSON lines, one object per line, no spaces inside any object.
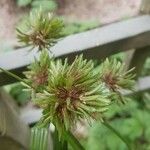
{"x":12,"y":75}
{"x":73,"y":141}
{"x":105,"y":123}
{"x":15,"y":76}
{"x":59,"y":145}
{"x":65,"y":145}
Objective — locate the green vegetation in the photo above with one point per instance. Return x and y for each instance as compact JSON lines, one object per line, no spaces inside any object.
{"x":79,"y":26}
{"x":21,"y":97}
{"x":130,"y":120}
{"x":146,"y":69}
{"x":46,"y":5}
{"x":68,"y":93}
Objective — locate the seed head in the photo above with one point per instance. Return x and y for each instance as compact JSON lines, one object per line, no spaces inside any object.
{"x":73,"y":92}
{"x":37,"y":73}
{"x":41,"y":30}
{"x":113,"y":74}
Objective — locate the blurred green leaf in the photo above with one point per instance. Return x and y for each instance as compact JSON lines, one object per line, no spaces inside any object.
{"x":23,"y":3}
{"x":135,"y":128}
{"x":21,"y":97}
{"x":79,"y":26}
{"x":146,"y":69}
{"x":46,"y":5}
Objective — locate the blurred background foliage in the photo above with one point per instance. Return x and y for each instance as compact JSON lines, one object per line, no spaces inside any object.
{"x":132,"y":119}
{"x":46,"y":5}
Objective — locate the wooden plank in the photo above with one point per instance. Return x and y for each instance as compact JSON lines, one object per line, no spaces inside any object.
{"x":96,"y":44}
{"x":128,"y":57}
{"x":14,"y":133}
{"x":34,"y":113}
{"x":142,"y":85}
{"x":145,"y":6}
{"x":137,"y":58}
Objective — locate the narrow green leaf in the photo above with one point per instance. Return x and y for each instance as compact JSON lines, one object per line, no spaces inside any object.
{"x":39,"y":139}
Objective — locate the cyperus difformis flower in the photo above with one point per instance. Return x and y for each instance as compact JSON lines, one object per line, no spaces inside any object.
{"x":37,"y":73}
{"x":113,"y":74}
{"x":73,"y":92}
{"x":41,"y":30}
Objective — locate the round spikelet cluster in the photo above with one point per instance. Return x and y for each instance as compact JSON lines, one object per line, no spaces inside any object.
{"x":73,"y":92}
{"x":114,"y":75}
{"x":40,"y":30}
{"x":116,"y":78}
{"x":37,"y":73}
{"x":68,"y":92}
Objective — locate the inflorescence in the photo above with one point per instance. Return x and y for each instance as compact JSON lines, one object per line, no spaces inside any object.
{"x":69,"y":92}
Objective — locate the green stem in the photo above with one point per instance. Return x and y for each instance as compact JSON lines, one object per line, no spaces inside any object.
{"x":73,"y":141}
{"x":58,"y":145}
{"x":118,"y":134}
{"x":56,"y":142}
{"x":12,"y":74}
{"x":65,"y":145}
{"x":15,"y":76}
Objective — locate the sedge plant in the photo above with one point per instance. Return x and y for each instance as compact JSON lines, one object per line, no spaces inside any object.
{"x":69,"y":92}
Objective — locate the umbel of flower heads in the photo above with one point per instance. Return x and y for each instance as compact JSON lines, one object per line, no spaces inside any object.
{"x":69,"y":92}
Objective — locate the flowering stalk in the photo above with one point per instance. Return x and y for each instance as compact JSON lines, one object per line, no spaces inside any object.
{"x":67,"y":92}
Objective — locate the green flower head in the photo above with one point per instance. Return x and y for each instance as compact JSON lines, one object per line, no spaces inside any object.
{"x":113,"y":74}
{"x":37,"y":73}
{"x":41,"y":30}
{"x":73,"y":92}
